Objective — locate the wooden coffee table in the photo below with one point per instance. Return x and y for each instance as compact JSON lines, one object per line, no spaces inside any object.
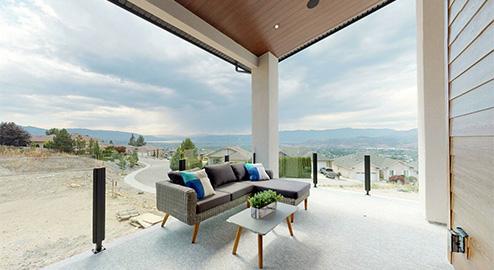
{"x":261,"y":226}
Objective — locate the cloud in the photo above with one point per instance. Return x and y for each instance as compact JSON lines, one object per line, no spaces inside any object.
{"x":363,"y":76}
{"x":92,"y":64}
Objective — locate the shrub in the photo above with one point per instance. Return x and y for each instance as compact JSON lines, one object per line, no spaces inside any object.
{"x":109,"y":153}
{"x":120,"y":149}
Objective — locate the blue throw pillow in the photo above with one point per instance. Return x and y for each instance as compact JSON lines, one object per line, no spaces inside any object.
{"x":252,"y":172}
{"x":191,"y":180}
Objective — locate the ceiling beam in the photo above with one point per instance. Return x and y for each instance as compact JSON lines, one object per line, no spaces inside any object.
{"x":187,"y":22}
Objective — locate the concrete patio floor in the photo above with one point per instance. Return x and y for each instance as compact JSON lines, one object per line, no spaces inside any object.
{"x":340,"y":230}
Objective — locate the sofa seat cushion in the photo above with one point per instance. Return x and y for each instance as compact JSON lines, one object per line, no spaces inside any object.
{"x":237,"y":189}
{"x":287,"y":188}
{"x":220,"y":174}
{"x":217,"y":199}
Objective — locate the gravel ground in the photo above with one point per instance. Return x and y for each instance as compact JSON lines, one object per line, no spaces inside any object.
{"x":46,"y":208}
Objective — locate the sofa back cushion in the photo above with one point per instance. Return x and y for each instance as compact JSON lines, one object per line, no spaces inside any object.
{"x":220,"y":174}
{"x":176,"y":178}
{"x":256,"y":172}
{"x":240,"y":172}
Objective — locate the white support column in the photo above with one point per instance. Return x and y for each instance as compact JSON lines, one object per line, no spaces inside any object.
{"x":433,"y":142}
{"x":265,"y":112}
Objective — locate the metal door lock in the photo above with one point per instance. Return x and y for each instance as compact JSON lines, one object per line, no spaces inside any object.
{"x":459,"y":241}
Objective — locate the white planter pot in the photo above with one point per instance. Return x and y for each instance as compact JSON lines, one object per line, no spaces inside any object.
{"x":259,"y":213}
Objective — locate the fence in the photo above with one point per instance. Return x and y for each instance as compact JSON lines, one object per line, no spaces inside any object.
{"x":295,"y":167}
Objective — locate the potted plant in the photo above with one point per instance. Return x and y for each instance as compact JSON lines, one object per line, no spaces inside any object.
{"x":263,"y":203}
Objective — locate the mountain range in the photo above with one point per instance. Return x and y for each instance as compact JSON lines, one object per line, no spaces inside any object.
{"x":345,"y":137}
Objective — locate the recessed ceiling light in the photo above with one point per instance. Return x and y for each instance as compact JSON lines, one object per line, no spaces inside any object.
{"x":276,"y":26}
{"x":312,"y":3}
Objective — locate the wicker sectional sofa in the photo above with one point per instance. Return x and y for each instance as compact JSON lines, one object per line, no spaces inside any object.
{"x":232,"y":188}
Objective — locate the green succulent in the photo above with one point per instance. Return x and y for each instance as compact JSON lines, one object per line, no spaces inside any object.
{"x":264,"y":198}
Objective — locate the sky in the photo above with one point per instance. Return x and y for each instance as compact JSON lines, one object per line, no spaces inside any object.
{"x":91,"y":64}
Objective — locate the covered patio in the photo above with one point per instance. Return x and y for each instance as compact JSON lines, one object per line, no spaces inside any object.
{"x":340,"y":230}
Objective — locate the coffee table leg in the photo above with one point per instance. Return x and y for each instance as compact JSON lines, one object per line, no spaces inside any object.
{"x":259,"y":249}
{"x":237,"y":239}
{"x":289,"y":226}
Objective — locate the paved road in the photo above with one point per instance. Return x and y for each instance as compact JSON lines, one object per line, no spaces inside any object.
{"x":145,"y":178}
{"x":157,"y":171}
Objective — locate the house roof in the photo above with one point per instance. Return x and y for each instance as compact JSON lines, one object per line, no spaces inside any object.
{"x":235,"y":153}
{"x":42,"y":139}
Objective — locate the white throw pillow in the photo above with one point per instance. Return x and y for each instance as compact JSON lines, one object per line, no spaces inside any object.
{"x":263,"y":175}
{"x":206,"y":183}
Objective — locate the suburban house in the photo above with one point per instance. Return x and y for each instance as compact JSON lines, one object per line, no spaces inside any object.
{"x":235,"y":154}
{"x":382,"y":168}
{"x":40,"y":141}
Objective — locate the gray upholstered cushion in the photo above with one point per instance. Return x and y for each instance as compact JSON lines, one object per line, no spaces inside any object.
{"x":176,"y":178}
{"x":240,"y":171}
{"x":237,"y":189}
{"x":210,"y":202}
{"x":287,"y":188}
{"x":220,"y":174}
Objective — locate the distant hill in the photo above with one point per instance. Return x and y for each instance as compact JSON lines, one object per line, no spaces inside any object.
{"x":118,"y":137}
{"x":346,"y":137}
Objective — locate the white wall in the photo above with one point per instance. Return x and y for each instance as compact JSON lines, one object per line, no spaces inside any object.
{"x":432,"y":110}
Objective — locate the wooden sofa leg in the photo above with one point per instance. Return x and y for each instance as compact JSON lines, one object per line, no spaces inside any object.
{"x":292,"y":217}
{"x":194,"y":233}
{"x":165,"y":218}
{"x":305,"y":204}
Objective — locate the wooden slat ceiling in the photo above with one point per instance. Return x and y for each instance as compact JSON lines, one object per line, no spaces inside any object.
{"x":251,"y":22}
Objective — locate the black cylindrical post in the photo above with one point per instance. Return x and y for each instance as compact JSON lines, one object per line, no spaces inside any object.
{"x":182,"y":165}
{"x":314,"y":169}
{"x":99,"y":179}
{"x":227,"y":158}
{"x":367,"y":174}
{"x":253,"y":157}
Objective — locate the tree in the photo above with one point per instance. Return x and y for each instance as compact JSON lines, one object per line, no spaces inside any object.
{"x":52,"y":131}
{"x":94,"y":149}
{"x":188,"y":151}
{"x":140,"y":141}
{"x":132,"y":140}
{"x":133,"y":159}
{"x":62,"y":141}
{"x":14,"y":135}
{"x":80,"y":145}
{"x":122,"y":162}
